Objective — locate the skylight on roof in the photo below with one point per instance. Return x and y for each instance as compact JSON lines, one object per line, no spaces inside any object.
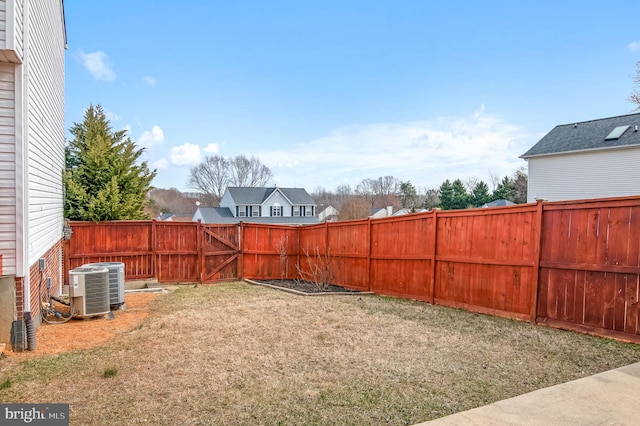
{"x":616,"y":133}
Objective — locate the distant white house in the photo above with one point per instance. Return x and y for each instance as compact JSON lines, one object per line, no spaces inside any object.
{"x":589,"y":159}
{"x":291,"y":206}
{"x":328,"y":214}
{"x":32,"y":139}
{"x":378,"y":213}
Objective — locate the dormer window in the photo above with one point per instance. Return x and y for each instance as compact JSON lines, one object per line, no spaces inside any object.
{"x":276,"y":210}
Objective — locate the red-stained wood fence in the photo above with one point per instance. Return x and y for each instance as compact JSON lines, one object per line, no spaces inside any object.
{"x":574,"y":265}
{"x":166,"y":251}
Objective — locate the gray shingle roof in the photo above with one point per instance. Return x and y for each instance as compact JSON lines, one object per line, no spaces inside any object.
{"x":587,"y":135}
{"x":217,"y":215}
{"x":248,"y":196}
{"x":222,"y":215}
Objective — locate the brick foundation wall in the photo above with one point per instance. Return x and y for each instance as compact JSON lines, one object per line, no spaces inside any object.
{"x":37,"y":280}
{"x":19,"y":297}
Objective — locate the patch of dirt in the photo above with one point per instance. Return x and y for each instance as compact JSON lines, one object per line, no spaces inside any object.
{"x":86,"y":333}
{"x":306,"y":286}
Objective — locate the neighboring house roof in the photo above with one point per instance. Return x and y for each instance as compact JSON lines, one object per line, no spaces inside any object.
{"x":498,"y":203}
{"x":381,"y":212}
{"x":215,"y":215}
{"x":177,"y":217}
{"x":588,"y":135}
{"x":182,"y":217}
{"x":223,"y":215}
{"x":243,"y":195}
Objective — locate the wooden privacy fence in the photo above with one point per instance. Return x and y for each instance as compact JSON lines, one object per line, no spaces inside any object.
{"x":574,"y":265}
{"x":167,"y":251}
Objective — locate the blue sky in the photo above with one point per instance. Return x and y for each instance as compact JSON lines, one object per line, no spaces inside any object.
{"x":332,"y":92}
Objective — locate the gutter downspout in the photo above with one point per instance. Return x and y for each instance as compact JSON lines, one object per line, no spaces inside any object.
{"x":22,"y":129}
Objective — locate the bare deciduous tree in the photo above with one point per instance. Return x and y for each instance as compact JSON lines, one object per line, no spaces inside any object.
{"x":248,"y":172}
{"x":215,"y":173}
{"x":173,"y":201}
{"x":431,"y":198}
{"x":210,"y":176}
{"x":354,"y":208}
{"x":379,"y":191}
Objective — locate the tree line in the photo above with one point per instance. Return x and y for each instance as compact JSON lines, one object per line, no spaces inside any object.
{"x":358,"y":202}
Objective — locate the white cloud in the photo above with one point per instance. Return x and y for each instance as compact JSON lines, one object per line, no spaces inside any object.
{"x":97,"y":64}
{"x":112,"y":116}
{"x":424,"y":152}
{"x":127,"y":128}
{"x":162,"y":164}
{"x":634,"y":46}
{"x":212,"y":148}
{"x":185,"y":155}
{"x":151,"y":137}
{"x":150,"y":80}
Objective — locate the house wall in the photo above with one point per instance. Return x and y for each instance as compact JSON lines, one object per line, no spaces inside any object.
{"x":575,"y":176}
{"x":11,"y":43}
{"x":227,"y":201}
{"x":7,"y":169}
{"x":276,"y":198}
{"x":45,"y":125}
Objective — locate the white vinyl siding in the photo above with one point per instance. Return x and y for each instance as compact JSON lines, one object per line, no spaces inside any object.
{"x":7,"y":170}
{"x":45,"y":125}
{"x":11,"y":43}
{"x":277,"y":199}
{"x":583,"y":175}
{"x":18,"y":10}
{"x":3,"y":24}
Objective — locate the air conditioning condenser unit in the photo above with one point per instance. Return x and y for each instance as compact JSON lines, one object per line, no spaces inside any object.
{"x":89,"y":289}
{"x":116,"y":281}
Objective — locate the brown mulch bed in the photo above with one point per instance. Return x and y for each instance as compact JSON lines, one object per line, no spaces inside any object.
{"x":86,"y":333}
{"x":306,"y":287}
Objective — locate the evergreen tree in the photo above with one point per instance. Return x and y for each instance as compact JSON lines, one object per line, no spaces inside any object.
{"x":103,"y":180}
{"x":460,"y":195}
{"x":446,"y":195}
{"x":505,"y":190}
{"x":480,"y":194}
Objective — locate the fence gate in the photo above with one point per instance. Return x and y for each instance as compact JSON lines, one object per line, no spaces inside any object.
{"x":220,"y":252}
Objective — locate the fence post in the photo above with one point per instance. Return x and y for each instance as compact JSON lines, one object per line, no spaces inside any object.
{"x":369,"y":237}
{"x":535,"y":276}
{"x":240,"y":228}
{"x":153,"y":249}
{"x":326,"y":238}
{"x":432,"y":298}
{"x":200,"y":248}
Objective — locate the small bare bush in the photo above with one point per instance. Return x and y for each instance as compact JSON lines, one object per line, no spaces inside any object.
{"x":320,"y":268}
{"x":281,"y":248}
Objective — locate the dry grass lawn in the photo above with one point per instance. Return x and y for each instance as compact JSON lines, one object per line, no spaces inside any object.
{"x":242,"y":354}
